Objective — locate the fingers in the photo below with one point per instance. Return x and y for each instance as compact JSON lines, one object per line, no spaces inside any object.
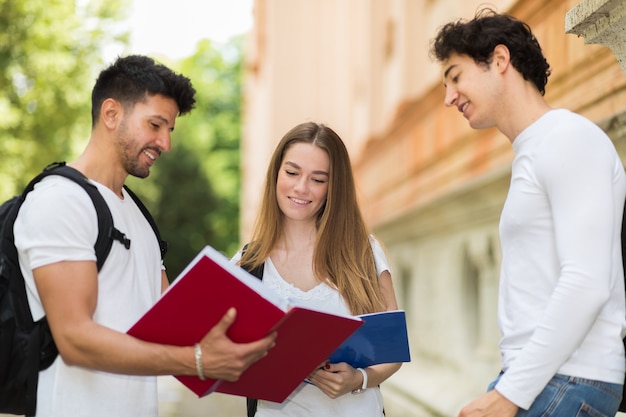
{"x":245,"y":354}
{"x":335,"y":379}
{"x":338,"y":367}
{"x":226,"y":321}
{"x":224,"y":359}
{"x":254,"y":351}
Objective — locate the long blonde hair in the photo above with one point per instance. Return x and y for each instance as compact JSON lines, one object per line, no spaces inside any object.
{"x":343,"y":252}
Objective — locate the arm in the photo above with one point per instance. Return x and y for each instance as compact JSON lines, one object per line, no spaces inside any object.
{"x":337,"y":379}
{"x":575,"y":173}
{"x":340,"y":378}
{"x":82,"y":342}
{"x":164,"y":281}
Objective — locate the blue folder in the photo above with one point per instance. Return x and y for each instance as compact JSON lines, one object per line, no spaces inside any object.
{"x":381,"y":339}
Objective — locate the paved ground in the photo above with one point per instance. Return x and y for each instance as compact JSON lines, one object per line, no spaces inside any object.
{"x":175,"y":400}
{"x":178,"y":401}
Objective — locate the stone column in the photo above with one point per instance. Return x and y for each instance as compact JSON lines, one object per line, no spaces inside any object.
{"x":600,"y":22}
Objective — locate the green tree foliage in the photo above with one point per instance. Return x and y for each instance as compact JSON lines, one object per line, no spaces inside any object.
{"x":49,"y":52}
{"x":193,"y":190}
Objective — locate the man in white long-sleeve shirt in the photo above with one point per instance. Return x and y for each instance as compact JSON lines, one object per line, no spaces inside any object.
{"x":561,"y":301}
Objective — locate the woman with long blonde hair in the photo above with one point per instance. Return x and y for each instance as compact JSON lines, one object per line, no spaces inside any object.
{"x":313,"y":245}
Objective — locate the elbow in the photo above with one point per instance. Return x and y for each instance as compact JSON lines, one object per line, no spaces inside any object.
{"x":71,"y":347}
{"x":593,"y":299}
{"x":391,"y":369}
{"x":599,"y":296}
{"x":69,"y":354}
{"x":396,"y":367}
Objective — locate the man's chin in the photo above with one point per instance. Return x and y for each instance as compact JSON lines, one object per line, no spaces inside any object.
{"x":478,"y":125}
{"x":140,"y":173}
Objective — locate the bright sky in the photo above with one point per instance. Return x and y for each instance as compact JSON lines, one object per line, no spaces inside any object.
{"x":173,"y":27}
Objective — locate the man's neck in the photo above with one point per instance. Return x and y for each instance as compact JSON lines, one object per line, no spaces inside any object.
{"x":522,"y":110}
{"x":96,"y":165}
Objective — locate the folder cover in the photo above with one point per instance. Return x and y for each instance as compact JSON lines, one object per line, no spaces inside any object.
{"x":382,"y":339}
{"x":201,"y":295}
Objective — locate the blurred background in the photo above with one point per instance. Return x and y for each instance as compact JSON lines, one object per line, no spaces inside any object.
{"x":430,"y":187}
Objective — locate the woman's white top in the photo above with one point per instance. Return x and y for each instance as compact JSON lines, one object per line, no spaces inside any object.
{"x":307,"y":399}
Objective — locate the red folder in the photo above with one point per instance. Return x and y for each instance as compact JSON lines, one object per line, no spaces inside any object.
{"x":202,"y":294}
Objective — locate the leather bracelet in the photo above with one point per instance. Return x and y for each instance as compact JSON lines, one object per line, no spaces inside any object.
{"x":364,"y":385}
{"x":199,"y":362}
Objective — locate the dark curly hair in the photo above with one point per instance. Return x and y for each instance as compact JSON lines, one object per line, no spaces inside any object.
{"x":129,"y":79}
{"x":478,"y":37}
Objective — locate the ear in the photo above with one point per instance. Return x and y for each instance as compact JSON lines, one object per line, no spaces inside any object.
{"x":501,"y":58}
{"x":111,"y":112}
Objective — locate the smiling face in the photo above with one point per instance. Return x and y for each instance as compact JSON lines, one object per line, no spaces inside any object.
{"x":472,"y":88}
{"x":145,"y":132}
{"x":302,"y":183}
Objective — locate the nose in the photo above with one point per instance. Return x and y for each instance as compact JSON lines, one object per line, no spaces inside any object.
{"x":452,"y":96}
{"x":301,"y":185}
{"x":164,"y":141}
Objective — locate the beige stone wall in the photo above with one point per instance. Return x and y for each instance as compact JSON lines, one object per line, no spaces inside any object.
{"x":431,"y":188}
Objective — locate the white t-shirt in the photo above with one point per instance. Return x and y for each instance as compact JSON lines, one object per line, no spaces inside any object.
{"x":58,"y":223}
{"x":308,"y":400}
{"x":561,"y":302}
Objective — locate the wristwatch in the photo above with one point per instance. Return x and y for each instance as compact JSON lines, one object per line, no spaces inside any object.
{"x":364,"y":386}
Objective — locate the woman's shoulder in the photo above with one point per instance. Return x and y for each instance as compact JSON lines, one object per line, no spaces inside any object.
{"x":375,"y":243}
{"x":380,"y":256}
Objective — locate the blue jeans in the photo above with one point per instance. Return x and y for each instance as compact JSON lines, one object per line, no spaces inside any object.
{"x":568,"y":396}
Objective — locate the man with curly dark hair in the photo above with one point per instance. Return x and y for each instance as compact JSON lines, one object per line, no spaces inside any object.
{"x":561,"y":295}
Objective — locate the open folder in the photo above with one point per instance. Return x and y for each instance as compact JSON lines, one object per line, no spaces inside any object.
{"x":201,"y":295}
{"x":382,"y":339}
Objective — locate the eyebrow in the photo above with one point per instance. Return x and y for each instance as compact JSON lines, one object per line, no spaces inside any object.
{"x":445,"y":74}
{"x":158,"y":116}
{"x":163,"y":119}
{"x":293,"y":164}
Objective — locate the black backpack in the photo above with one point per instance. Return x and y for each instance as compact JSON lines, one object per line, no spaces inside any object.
{"x":26,"y":347}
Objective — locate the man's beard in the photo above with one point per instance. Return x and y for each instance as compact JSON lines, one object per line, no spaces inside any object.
{"x":129,"y":157}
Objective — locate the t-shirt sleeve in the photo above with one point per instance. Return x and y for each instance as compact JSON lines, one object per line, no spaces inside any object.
{"x":236,"y":257}
{"x":380,"y":259}
{"x":56,"y":223}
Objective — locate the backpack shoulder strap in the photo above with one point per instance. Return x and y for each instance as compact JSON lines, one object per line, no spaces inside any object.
{"x":148,"y":216}
{"x":106,"y":230}
{"x":252,"y":403}
{"x":258,"y":271}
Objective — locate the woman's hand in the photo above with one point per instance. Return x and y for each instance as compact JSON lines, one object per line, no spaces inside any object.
{"x":336,"y":379}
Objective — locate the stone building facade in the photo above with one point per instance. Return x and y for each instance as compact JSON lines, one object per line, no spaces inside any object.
{"x":431,"y":188}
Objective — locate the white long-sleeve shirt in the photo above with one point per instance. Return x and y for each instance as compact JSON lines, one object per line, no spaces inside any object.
{"x":561,"y":301}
